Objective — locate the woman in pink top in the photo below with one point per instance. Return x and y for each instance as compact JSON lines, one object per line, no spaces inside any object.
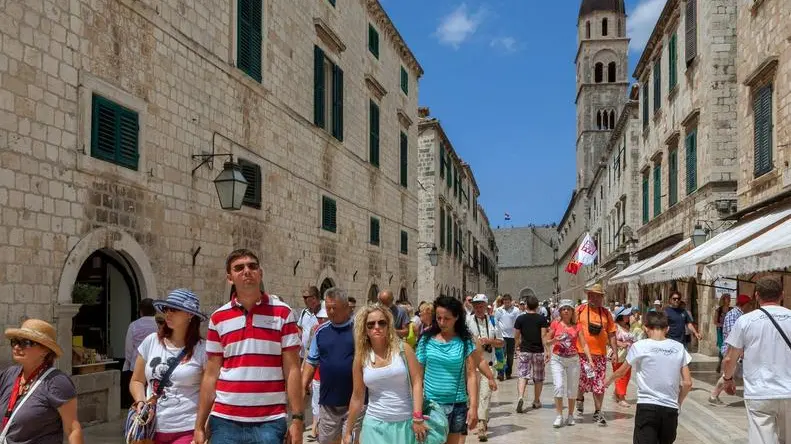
{"x":565,"y":363}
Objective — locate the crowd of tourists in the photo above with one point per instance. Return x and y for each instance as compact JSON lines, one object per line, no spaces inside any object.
{"x":383,"y":373}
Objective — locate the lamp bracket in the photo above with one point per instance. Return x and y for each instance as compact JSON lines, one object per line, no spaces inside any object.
{"x":208,"y":158}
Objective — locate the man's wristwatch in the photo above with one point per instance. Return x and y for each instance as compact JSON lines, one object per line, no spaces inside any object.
{"x":298,"y":416}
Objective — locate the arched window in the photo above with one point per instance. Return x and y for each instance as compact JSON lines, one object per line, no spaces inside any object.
{"x":598,"y":72}
{"x":587,"y":29}
{"x":612,"y":119}
{"x":604,"y":27}
{"x":611,"y":72}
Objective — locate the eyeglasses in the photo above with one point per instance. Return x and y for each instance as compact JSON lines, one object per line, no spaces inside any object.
{"x":22,"y":343}
{"x":381,"y":323}
{"x":252,"y":266}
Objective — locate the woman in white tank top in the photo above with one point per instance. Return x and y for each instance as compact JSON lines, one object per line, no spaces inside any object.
{"x":394,"y":407}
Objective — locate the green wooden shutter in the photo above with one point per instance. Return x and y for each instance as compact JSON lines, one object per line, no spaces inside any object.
{"x":318,"y":87}
{"x":249,"y":37}
{"x":373,"y":40}
{"x":442,"y":229}
{"x":404,"y":81}
{"x":762,"y":110}
{"x":404,"y":242}
{"x":657,"y":190}
{"x":449,"y":173}
{"x":442,"y":161}
{"x":645,"y":198}
{"x":404,"y":159}
{"x":672,"y":171}
{"x":449,"y":232}
{"x":115,"y":133}
{"x":645,"y":104}
{"x":337,"y":102}
{"x":691,"y":145}
{"x":328,"y":214}
{"x":673,"y":60}
{"x":455,"y":182}
{"x":251,"y":173}
{"x":373,"y":126}
{"x":455,"y":238}
{"x":691,"y":31}
{"x":657,"y":84}
{"x":332,"y":2}
{"x":374,"y":231}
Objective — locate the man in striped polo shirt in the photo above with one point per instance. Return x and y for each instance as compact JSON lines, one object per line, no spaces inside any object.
{"x":253,"y":356}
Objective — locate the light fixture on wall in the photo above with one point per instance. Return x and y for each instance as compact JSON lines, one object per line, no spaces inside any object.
{"x":699,"y":235}
{"x":230,"y":183}
{"x":433,"y":254}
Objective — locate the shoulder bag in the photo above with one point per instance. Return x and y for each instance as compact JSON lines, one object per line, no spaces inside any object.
{"x":777,"y":326}
{"x":22,"y":401}
{"x":140,"y":426}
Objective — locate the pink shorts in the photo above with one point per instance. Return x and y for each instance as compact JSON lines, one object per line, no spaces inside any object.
{"x":174,"y":438}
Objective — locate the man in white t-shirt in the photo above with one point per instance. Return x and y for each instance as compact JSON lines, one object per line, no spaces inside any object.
{"x":663,"y":380}
{"x":487,"y":336}
{"x":307,"y":317}
{"x":506,"y":317}
{"x":762,"y":336}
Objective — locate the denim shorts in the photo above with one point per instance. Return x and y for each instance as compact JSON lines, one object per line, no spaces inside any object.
{"x":457,"y":417}
{"x":224,"y":431}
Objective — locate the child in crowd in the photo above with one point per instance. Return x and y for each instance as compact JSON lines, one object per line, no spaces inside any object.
{"x":663,"y":381}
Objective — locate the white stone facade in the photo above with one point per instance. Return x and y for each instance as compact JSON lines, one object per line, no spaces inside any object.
{"x":526,"y":263}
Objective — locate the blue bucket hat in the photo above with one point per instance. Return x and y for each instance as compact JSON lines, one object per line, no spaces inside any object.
{"x":183,"y":300}
{"x":625,"y":311}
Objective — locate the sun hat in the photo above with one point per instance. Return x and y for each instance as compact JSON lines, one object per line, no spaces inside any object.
{"x":183,"y":300}
{"x":595,"y":289}
{"x":38,"y":331}
{"x":624,"y":311}
{"x":480,"y":298}
{"x":566,"y":303}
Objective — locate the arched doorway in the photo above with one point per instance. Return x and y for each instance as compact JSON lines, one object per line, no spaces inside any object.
{"x":373,"y":293}
{"x":525,"y":292}
{"x":326,"y":284}
{"x":402,"y":297}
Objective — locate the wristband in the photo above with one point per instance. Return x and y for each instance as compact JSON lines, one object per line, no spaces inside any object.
{"x":417,"y":415}
{"x":298,"y":416}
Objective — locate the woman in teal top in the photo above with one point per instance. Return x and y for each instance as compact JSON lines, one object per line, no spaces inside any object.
{"x":449,"y":358}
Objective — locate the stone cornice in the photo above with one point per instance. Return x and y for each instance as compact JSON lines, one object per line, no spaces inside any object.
{"x":765,"y":69}
{"x":404,"y":118}
{"x":375,"y":87}
{"x":328,"y":36}
{"x":379,"y":15}
{"x":691,"y":117}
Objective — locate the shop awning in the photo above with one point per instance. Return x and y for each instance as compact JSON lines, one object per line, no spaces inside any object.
{"x":686,"y":265}
{"x":769,"y":251}
{"x":632,"y":272}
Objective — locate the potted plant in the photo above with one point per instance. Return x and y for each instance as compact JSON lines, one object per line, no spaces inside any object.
{"x":85,"y":294}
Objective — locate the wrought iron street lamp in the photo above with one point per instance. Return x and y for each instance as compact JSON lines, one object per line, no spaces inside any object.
{"x":433,"y":256}
{"x":699,"y":235}
{"x":230,"y":183}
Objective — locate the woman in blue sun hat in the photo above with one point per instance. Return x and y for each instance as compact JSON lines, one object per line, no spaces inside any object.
{"x":177,"y":344}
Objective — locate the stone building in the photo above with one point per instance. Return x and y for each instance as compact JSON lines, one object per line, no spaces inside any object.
{"x":602,"y":83}
{"x":527,"y":261}
{"x":451,"y":221}
{"x":105,"y":103}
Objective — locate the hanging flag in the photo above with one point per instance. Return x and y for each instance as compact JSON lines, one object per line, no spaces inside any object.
{"x":573,"y":267}
{"x":507,"y":216}
{"x":587,"y":251}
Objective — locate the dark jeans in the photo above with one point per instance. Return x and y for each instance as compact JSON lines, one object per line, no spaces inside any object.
{"x":509,"y":356}
{"x":224,"y":431}
{"x":655,"y":424}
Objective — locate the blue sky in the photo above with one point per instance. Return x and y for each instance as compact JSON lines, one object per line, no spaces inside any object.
{"x":500,"y":77}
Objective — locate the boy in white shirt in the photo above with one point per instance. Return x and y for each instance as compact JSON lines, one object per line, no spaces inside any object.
{"x":663,"y":381}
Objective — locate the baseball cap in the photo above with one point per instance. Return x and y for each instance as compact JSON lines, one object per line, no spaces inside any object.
{"x":657,"y":302}
{"x":480,"y":298}
{"x":743,"y":299}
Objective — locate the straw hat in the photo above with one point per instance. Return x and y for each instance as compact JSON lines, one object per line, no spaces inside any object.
{"x":595,"y":289}
{"x":38,"y":331}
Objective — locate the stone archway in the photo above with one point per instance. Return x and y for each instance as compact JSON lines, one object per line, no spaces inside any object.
{"x":326,"y":284}
{"x":328,"y":274}
{"x":373,"y":293}
{"x":525,"y":292}
{"x":402,"y":295}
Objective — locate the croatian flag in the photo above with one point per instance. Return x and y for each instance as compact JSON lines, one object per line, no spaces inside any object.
{"x":507,"y":216}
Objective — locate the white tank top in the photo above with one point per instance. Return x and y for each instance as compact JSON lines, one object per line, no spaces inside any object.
{"x":389,"y":398}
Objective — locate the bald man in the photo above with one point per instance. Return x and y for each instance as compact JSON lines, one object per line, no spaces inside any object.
{"x":400,"y":316}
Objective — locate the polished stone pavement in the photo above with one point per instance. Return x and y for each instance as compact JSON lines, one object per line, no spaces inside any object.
{"x":699,"y":422}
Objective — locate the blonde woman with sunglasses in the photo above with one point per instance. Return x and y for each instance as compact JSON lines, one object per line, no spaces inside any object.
{"x":394,"y":407}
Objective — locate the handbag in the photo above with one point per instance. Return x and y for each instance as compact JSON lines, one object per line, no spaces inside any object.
{"x":777,"y":326}
{"x":411,"y":337}
{"x":140,"y":426}
{"x":595,"y":329}
{"x":7,"y":427}
{"x":435,"y":418}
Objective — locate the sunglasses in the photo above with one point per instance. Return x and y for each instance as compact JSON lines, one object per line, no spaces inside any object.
{"x":381,"y":323}
{"x":252,"y":266}
{"x":22,"y":343}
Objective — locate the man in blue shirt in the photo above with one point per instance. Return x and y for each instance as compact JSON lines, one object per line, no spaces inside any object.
{"x":678,"y":319}
{"x":332,"y":351}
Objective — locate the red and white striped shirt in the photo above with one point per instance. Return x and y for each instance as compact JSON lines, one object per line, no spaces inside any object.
{"x":251,"y":386}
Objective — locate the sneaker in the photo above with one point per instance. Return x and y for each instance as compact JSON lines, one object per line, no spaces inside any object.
{"x":578,"y":412}
{"x":598,"y":419}
{"x":536,"y":405}
{"x":558,"y":422}
{"x":715,"y":401}
{"x":570,"y":421}
{"x":520,"y":406}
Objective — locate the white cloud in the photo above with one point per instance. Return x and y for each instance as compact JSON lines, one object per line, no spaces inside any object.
{"x":641,"y":22}
{"x":459,"y":25}
{"x":507,"y":44}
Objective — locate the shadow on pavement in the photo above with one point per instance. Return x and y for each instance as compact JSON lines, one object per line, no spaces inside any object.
{"x":502,"y":430}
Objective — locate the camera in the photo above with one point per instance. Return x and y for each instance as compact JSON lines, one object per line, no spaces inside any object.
{"x":487,"y":348}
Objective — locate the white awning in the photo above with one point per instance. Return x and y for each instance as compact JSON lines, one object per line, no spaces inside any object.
{"x":632,"y":272}
{"x":686,"y":265}
{"x":769,"y":251}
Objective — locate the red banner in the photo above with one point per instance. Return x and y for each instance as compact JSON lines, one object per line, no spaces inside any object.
{"x":573,"y":267}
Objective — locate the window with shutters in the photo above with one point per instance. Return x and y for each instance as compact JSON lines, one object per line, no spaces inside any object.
{"x":449,"y":232}
{"x":327,"y":94}
{"x":404,"y":160}
{"x":373,"y":133}
{"x":645,"y":198}
{"x":449,"y":175}
{"x":762,"y":131}
{"x":672,"y":177}
{"x":657,"y":84}
{"x":373,"y":40}
{"x":442,"y":229}
{"x":328,"y":214}
{"x":374,"y":238}
{"x":455,"y":233}
{"x":252,"y":174}
{"x":691,"y":152}
{"x":645,"y":104}
{"x":657,"y":189}
{"x":249,"y":37}
{"x":115,"y":133}
{"x":455,"y":183}
{"x":404,"y":81}
{"x":691,"y":31}
{"x":672,"y":71}
{"x":404,"y":242}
